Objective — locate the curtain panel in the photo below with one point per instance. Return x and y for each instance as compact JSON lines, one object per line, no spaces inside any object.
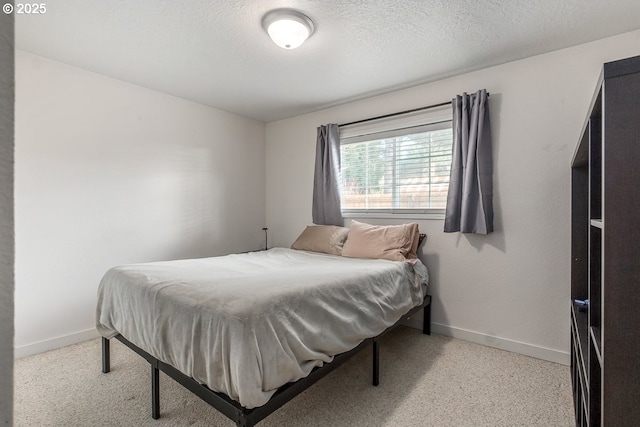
{"x":326,"y":208}
{"x":469,"y":206}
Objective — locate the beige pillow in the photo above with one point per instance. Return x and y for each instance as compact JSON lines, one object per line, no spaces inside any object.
{"x":392,"y":242}
{"x":327,"y":239}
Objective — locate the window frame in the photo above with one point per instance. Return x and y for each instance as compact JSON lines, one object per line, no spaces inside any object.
{"x":424,"y":121}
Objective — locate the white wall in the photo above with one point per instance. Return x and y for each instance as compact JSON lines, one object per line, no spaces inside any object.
{"x":110,"y":173}
{"x":6,"y":219}
{"x":511,"y":288}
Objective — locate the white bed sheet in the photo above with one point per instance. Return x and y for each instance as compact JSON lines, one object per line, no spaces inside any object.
{"x":247,"y":324}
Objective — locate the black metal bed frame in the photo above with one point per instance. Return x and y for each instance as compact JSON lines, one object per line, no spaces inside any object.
{"x":244,"y":417}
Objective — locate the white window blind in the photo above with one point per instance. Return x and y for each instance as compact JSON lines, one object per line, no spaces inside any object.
{"x":397,"y":169}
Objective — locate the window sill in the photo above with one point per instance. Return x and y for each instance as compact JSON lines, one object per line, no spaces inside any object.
{"x":388,"y":215}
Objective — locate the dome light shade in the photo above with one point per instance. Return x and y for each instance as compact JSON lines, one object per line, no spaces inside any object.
{"x":287,"y":28}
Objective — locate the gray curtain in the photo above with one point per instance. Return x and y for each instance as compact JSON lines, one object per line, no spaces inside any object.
{"x":326,"y":207}
{"x":470,"y":197}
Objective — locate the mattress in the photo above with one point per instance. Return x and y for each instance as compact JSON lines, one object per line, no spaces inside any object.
{"x":246,"y":324}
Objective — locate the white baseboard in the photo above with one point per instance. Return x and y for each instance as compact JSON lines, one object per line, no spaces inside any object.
{"x":53,"y":343}
{"x":538,"y":352}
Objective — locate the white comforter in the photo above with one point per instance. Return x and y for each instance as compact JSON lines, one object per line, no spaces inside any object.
{"x":247,"y":324}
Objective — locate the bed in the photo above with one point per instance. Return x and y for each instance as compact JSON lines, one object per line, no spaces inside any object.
{"x":247,"y":332}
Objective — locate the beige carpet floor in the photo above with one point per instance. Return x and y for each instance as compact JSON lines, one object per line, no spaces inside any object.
{"x":425,"y":381}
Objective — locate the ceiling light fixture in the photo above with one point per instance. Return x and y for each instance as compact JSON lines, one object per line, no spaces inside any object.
{"x":288,"y":28}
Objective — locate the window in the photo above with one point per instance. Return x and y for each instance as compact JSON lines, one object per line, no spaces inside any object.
{"x":404,"y":170}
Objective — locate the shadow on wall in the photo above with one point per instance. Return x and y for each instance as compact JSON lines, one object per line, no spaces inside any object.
{"x":432,"y":262}
{"x":479,"y":241}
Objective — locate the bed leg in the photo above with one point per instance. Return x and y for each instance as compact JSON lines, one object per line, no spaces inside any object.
{"x":106,"y":356}
{"x":426,"y":319}
{"x":155,"y":391}
{"x":376,"y":363}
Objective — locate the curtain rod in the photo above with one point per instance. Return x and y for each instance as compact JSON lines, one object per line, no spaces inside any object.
{"x":398,"y":113}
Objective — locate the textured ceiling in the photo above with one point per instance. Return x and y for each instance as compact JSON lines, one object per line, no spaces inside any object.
{"x":216,"y":52}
